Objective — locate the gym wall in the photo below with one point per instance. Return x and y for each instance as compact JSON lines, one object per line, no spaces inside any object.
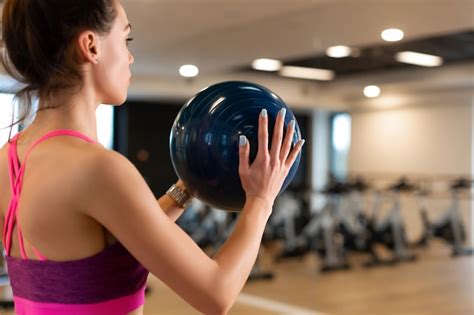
{"x":142,"y":134}
{"x":422,"y":140}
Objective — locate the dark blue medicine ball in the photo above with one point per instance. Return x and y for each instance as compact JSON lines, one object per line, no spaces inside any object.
{"x":204,"y":139}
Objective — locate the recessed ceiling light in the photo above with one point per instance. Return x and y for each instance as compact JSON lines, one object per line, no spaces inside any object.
{"x":371,"y":91}
{"x":339,"y":51}
{"x":307,"y":73}
{"x":392,"y":35}
{"x":265,"y":64}
{"x":419,"y":59}
{"x":188,"y":71}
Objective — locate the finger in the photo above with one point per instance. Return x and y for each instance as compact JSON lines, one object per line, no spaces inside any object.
{"x":278,"y":134}
{"x":244,"y":149}
{"x":294,"y":154}
{"x":286,"y":147}
{"x":263,"y":133}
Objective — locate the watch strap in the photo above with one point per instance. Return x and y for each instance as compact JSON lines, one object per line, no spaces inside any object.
{"x":180,"y":196}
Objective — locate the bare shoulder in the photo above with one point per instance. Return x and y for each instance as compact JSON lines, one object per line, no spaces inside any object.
{"x":99,"y":159}
{"x":100,"y":166}
{"x":107,"y":178}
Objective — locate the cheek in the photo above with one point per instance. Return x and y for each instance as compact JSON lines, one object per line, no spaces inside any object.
{"x":115,"y":76}
{"x":117,"y":66}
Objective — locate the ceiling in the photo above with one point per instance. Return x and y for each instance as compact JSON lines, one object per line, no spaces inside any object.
{"x":218,"y":35}
{"x":452,"y":48}
{"x":221,"y":36}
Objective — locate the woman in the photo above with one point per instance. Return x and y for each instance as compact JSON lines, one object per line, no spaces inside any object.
{"x":81,"y":229}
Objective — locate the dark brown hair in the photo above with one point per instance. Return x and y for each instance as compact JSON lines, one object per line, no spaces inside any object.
{"x":39,"y":44}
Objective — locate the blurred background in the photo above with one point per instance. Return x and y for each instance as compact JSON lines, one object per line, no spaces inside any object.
{"x":379,"y":218}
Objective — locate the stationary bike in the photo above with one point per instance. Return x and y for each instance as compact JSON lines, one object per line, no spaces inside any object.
{"x":450,"y":226}
{"x":288,"y":219}
{"x":390,"y":231}
{"x":323,"y":231}
{"x":353,"y":221}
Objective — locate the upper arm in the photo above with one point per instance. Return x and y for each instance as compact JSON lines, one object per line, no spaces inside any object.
{"x":118,"y":198}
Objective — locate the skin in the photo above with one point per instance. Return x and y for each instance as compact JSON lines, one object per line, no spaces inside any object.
{"x":119,"y":204}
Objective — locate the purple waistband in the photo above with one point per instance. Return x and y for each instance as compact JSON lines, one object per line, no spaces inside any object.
{"x":108,"y":275}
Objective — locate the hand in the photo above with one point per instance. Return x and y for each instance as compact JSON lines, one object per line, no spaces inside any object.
{"x":264,"y":178}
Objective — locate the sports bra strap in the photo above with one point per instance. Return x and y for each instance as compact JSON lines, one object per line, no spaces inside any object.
{"x":16,"y":172}
{"x":54,"y":133}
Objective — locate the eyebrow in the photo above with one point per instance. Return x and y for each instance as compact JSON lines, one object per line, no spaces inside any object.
{"x":128,"y":26}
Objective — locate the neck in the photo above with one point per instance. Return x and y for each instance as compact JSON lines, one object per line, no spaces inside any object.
{"x":76,"y":112}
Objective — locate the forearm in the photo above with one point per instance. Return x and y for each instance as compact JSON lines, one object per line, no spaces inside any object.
{"x":170,"y":207}
{"x":237,"y":256}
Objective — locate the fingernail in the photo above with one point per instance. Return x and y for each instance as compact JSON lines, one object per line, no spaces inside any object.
{"x":292,"y":124}
{"x":242,"y":140}
{"x":283,"y":112}
{"x":264,"y":113}
{"x":302,"y":142}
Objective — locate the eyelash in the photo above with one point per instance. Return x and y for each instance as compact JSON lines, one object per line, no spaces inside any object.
{"x":128,"y":40}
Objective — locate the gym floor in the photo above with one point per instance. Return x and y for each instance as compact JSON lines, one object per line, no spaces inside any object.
{"x":434,"y":284}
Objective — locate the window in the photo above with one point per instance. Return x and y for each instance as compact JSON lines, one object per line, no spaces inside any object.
{"x":6,"y":111}
{"x":105,"y":125}
{"x":340,"y":144}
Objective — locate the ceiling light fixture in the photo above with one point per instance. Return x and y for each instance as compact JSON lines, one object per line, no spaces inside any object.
{"x":392,"y":35}
{"x":371,"y":91}
{"x":188,"y":71}
{"x":419,"y":59}
{"x":265,"y":64}
{"x":307,"y":73}
{"x":339,"y":51}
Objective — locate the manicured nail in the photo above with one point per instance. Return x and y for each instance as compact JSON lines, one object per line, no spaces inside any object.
{"x":283,"y":112}
{"x":292,"y":124}
{"x":242,"y":141}
{"x":264,"y":113}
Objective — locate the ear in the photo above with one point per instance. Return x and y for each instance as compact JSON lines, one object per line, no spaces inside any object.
{"x":88,"y":43}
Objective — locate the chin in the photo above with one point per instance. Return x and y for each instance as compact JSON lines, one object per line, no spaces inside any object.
{"x":121,"y":101}
{"x":116,"y":99}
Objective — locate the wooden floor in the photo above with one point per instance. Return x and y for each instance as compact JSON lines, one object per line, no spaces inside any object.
{"x":435,"y":284}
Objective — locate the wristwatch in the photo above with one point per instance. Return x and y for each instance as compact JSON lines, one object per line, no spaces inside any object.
{"x":180,"y":196}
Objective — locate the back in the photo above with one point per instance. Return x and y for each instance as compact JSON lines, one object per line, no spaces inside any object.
{"x":82,"y":269}
{"x":46,"y":212}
